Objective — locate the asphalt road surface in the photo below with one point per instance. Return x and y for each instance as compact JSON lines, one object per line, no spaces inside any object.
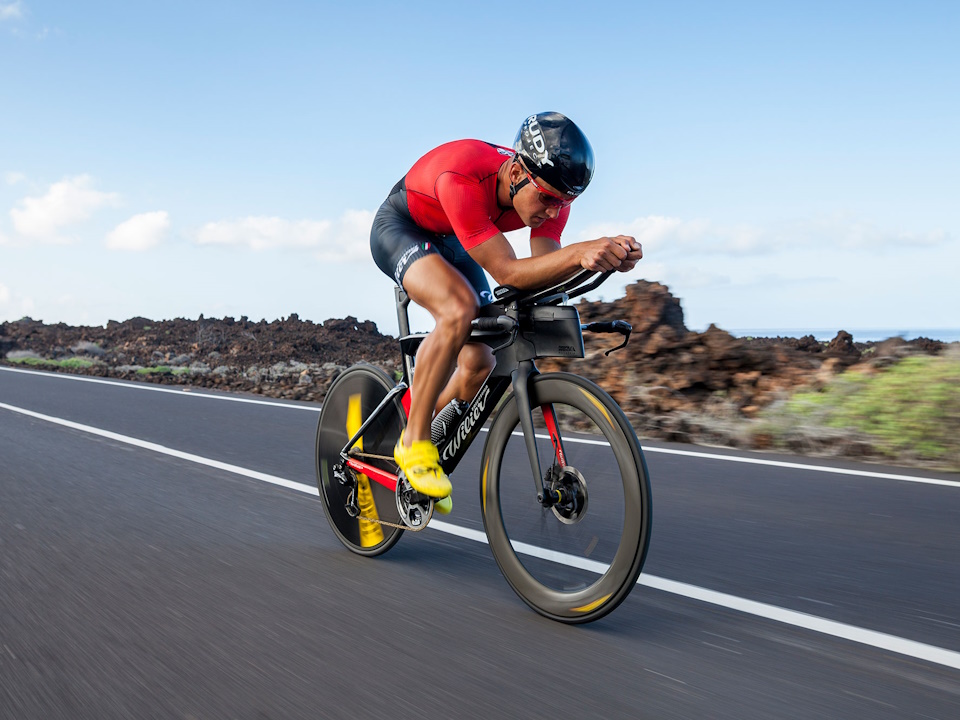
{"x":163,"y":554}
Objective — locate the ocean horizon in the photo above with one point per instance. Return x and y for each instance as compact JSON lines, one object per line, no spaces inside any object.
{"x":946,"y":335}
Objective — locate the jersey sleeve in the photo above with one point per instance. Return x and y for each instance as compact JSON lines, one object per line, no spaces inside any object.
{"x":552,"y":228}
{"x":465,"y":206}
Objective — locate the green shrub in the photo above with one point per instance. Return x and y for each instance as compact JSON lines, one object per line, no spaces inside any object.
{"x":912,"y":408}
{"x":73,"y":362}
{"x":31,"y":361}
{"x":155,"y":370}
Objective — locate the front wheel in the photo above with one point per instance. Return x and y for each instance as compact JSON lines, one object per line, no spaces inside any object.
{"x":348,"y":497}
{"x":576,"y":561}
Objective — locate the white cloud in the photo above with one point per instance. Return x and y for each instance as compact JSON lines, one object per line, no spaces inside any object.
{"x":67,"y":202}
{"x":10,"y":11}
{"x":350,"y":238}
{"x":341,"y":240}
{"x":263,"y":233}
{"x":660,"y":233}
{"x":141,"y":232}
{"x":14,"y":306}
{"x":704,"y":237}
{"x":694,"y":277}
{"x":860,"y":234}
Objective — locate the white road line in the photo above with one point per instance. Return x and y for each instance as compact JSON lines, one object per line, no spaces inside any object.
{"x":803,"y":466}
{"x":883,"y":641}
{"x":263,"y":477}
{"x":773,"y":463}
{"x":186,"y":392}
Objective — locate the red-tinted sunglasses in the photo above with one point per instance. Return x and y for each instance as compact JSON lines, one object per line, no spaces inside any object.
{"x":547,"y":198}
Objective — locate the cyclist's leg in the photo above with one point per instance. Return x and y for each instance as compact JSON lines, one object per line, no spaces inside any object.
{"x":475,"y":361}
{"x":441,"y":289}
{"x":409,"y":254}
{"x":474,"y":364}
{"x":437,"y":286}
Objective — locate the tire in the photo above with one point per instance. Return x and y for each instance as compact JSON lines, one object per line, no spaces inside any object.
{"x":371,"y":384}
{"x":553,"y":562}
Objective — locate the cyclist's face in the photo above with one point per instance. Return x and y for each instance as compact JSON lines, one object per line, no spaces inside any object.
{"x":537,"y":201}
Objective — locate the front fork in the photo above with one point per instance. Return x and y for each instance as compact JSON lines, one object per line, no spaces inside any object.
{"x":548,"y":494}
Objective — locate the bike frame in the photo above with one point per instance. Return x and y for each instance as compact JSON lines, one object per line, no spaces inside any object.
{"x":514,"y":367}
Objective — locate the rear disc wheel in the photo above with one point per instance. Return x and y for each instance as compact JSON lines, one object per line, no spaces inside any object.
{"x":347,"y":497}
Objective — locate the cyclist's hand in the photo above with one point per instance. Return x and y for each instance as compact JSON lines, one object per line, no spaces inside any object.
{"x":634,"y":252}
{"x":616,"y":253}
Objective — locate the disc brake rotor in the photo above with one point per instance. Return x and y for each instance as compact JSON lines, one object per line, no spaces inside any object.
{"x":573,"y":487}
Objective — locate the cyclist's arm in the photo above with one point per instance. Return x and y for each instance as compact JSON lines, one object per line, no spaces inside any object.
{"x":543,"y":245}
{"x":496,"y":256}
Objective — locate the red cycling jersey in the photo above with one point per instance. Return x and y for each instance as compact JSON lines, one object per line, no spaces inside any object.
{"x":453,"y":190}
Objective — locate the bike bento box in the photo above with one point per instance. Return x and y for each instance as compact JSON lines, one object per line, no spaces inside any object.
{"x":553,"y":330}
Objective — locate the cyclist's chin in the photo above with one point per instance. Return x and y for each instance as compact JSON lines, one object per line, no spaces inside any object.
{"x":536,"y":221}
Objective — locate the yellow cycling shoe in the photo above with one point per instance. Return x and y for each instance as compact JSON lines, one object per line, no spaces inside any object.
{"x":421,"y":464}
{"x":444,"y":506}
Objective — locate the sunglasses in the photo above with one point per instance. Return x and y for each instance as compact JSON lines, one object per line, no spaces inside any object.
{"x":547,"y":198}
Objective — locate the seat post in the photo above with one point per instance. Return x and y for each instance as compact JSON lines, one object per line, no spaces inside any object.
{"x":403,"y":321}
{"x":403,"y":318}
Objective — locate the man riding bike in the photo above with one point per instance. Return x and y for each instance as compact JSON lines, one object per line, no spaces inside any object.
{"x":442,"y":225}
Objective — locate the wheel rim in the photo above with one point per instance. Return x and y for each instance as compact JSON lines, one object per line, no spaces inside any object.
{"x":580,"y":570}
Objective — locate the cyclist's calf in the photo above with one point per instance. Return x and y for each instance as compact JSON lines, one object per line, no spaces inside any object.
{"x":474,"y":364}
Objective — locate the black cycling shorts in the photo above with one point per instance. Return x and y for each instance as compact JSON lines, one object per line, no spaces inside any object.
{"x":397,"y":242}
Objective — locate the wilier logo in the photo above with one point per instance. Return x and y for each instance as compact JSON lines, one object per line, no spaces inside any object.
{"x":473,"y":415}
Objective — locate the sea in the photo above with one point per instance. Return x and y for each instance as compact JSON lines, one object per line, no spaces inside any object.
{"x":946,"y":335}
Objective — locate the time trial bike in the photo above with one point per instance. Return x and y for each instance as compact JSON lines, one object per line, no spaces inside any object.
{"x":564,"y":489}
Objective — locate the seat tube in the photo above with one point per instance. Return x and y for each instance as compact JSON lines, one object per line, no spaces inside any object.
{"x":403,"y":321}
{"x":521,"y":377}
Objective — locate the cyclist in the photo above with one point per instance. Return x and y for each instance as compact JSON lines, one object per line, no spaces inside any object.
{"x":442,"y":225}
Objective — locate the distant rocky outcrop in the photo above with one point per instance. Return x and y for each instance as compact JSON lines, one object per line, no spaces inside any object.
{"x":676,"y":384}
{"x":673,"y":383}
{"x":289,"y":358}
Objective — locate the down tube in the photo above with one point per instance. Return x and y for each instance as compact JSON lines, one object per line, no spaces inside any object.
{"x":454,"y":446}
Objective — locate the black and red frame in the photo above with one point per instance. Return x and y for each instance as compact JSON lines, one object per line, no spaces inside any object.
{"x":514,"y":329}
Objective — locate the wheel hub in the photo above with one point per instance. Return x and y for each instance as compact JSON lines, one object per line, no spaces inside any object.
{"x":571,"y":489}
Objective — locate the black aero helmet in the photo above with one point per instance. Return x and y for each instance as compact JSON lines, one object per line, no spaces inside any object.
{"x":554,"y":148}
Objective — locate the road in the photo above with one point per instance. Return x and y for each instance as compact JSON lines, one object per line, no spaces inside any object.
{"x":163,"y":554}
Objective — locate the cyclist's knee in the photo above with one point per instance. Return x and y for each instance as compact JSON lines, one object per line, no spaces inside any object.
{"x":458,"y":311}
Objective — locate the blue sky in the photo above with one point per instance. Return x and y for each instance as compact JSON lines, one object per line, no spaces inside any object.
{"x":786,"y":165}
